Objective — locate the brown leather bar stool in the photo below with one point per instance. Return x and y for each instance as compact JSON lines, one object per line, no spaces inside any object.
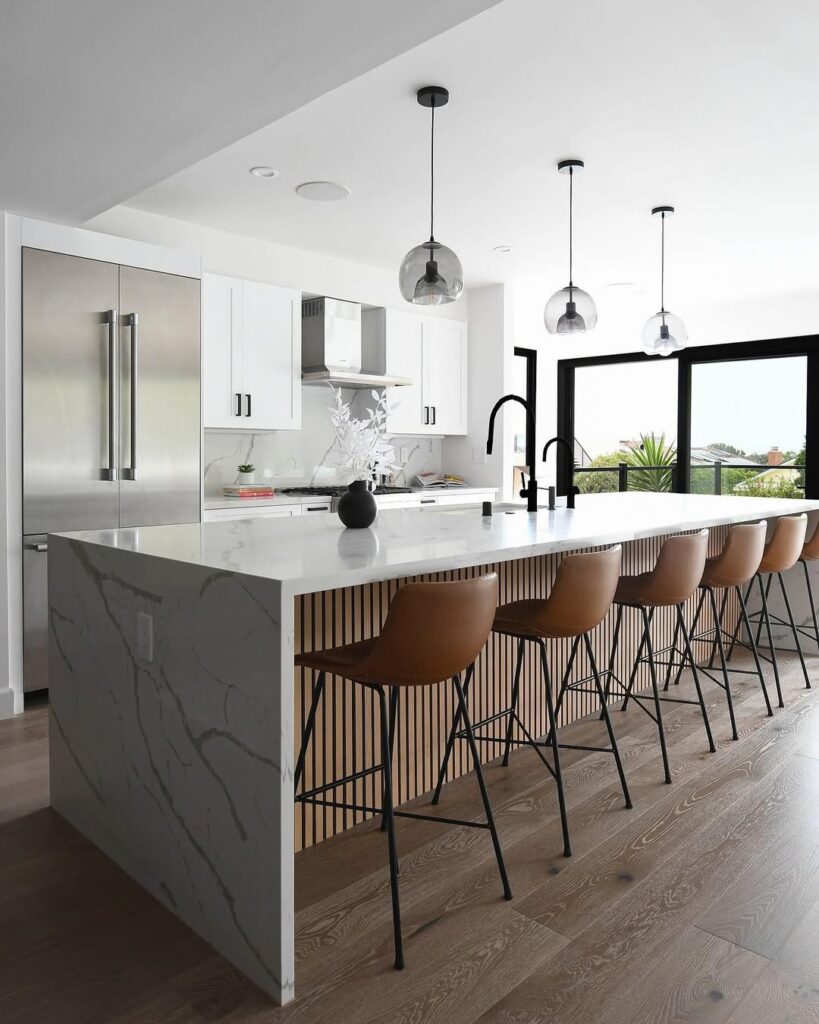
{"x":672,"y":581}
{"x":433,"y":632}
{"x":782,"y":552}
{"x":579,"y":600}
{"x":732,"y":569}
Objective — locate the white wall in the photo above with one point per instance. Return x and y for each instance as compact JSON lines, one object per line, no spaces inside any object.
{"x":258,"y":260}
{"x":491,"y":334}
{"x":11,"y":502}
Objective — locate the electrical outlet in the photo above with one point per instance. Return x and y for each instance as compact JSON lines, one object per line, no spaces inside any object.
{"x":145,"y":636}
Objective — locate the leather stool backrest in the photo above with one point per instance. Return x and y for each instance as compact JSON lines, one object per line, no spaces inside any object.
{"x":740,"y":557}
{"x":433,"y":631}
{"x":678,"y":571}
{"x":582,"y":592}
{"x":811,"y":548}
{"x":785,"y":547}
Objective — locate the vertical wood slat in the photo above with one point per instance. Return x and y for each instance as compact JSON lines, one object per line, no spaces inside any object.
{"x":346,"y":738}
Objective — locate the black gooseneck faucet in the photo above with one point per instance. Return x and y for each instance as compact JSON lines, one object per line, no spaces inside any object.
{"x":573,"y":490}
{"x":530,"y":491}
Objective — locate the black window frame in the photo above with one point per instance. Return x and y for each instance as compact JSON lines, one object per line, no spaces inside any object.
{"x":807,"y":345}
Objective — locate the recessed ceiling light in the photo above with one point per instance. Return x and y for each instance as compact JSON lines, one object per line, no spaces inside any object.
{"x":264,"y":172}
{"x":502,"y":248}
{"x":322,"y":191}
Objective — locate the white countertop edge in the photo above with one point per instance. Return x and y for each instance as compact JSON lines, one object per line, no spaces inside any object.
{"x":366,"y":558}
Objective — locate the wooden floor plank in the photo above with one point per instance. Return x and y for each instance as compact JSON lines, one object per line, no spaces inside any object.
{"x":81,"y":944}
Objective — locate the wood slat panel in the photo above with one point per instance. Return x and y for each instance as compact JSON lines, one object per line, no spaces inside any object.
{"x":346,"y":737}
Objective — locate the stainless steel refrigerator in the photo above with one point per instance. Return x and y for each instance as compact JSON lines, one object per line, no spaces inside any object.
{"x":111,"y":419}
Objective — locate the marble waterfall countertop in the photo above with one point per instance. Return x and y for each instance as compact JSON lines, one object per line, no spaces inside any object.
{"x":313,"y":553}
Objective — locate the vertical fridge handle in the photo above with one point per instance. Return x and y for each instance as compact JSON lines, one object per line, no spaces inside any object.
{"x":110,"y":318}
{"x":132,"y":321}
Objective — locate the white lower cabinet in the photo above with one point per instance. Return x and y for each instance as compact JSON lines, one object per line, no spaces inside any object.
{"x":215,"y":515}
{"x":251,"y":355}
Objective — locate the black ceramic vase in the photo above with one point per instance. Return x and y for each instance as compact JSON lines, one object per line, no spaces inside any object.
{"x":356,"y":506}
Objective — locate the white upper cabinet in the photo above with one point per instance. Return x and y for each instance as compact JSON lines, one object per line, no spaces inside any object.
{"x":431,"y":351}
{"x":251,"y":355}
{"x":446,"y":375}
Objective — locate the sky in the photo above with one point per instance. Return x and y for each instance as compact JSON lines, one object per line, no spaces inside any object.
{"x":752,"y":404}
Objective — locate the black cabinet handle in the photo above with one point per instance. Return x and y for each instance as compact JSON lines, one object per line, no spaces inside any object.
{"x":238,"y":404}
{"x":426,"y":415}
{"x":434,"y":415}
{"x":248,"y":404}
{"x":318,"y":508}
{"x":427,"y":501}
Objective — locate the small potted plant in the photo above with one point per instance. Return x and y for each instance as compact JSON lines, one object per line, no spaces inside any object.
{"x":247,"y":473}
{"x":365,"y":452}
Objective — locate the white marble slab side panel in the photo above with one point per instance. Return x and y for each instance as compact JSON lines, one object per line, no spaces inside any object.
{"x":174,"y":766}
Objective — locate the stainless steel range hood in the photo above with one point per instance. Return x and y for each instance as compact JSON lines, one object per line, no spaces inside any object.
{"x":331,"y":349}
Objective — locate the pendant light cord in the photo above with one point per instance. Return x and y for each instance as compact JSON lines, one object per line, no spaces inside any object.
{"x":432,"y":178}
{"x":662,"y":263}
{"x":571,"y":201}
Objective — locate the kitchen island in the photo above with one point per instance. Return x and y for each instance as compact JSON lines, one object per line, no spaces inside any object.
{"x":175,"y":708}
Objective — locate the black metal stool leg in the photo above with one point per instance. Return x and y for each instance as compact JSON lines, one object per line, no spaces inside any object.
{"x":767,"y":620}
{"x":550,"y":708}
{"x":390,"y":829}
{"x":718,"y":623}
{"x":318,"y":689}
{"x":696,"y":675}
{"x":735,"y":637}
{"x":564,"y":682}
{"x":671,"y":654}
{"x":510,"y":725}
{"x":637,"y":659}
{"x":653,"y":671}
{"x":612,"y":656}
{"x":794,"y":629}
{"x":487,"y":806}
{"x":393,"y":718}
{"x":806,"y":567}
{"x":450,"y":743}
{"x":691,"y":632}
{"x":810,"y":599}
{"x":607,"y":719}
{"x":744,"y":618}
{"x":723,"y":663}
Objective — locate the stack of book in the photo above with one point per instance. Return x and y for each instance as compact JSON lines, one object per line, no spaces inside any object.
{"x":248,"y":491}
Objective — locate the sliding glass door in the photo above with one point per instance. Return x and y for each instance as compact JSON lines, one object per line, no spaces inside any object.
{"x":739,"y":419}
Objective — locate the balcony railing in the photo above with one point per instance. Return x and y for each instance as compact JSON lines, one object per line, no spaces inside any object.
{"x":664,"y":478}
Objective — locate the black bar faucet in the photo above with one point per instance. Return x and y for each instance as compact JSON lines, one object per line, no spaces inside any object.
{"x":530,"y":491}
{"x":573,"y":490}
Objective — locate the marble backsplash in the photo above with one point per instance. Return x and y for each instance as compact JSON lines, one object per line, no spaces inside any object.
{"x":290,"y":457}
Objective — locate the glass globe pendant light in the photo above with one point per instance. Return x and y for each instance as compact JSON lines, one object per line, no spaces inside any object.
{"x":570,"y":310}
{"x":431,"y":274}
{"x":664,"y":332}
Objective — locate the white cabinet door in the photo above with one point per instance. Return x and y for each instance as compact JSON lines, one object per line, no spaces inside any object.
{"x":405,"y":344}
{"x":446,"y":376}
{"x":221,"y":351}
{"x":271,"y":357}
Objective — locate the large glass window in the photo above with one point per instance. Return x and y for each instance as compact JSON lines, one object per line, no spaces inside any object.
{"x":748,"y":426}
{"x":625,"y":415}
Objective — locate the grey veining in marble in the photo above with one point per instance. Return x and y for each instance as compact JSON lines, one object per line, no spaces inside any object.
{"x":174,"y":766}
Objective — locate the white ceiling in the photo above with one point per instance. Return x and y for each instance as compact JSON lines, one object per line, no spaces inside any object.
{"x":711,"y":107}
{"x":101,"y":98}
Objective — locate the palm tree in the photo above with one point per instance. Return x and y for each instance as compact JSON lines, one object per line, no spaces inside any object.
{"x":652,"y":451}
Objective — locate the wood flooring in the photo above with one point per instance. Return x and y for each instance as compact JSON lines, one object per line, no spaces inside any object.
{"x":699,"y":905}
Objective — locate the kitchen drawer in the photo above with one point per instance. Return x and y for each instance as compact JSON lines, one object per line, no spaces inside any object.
{"x":215,"y":515}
